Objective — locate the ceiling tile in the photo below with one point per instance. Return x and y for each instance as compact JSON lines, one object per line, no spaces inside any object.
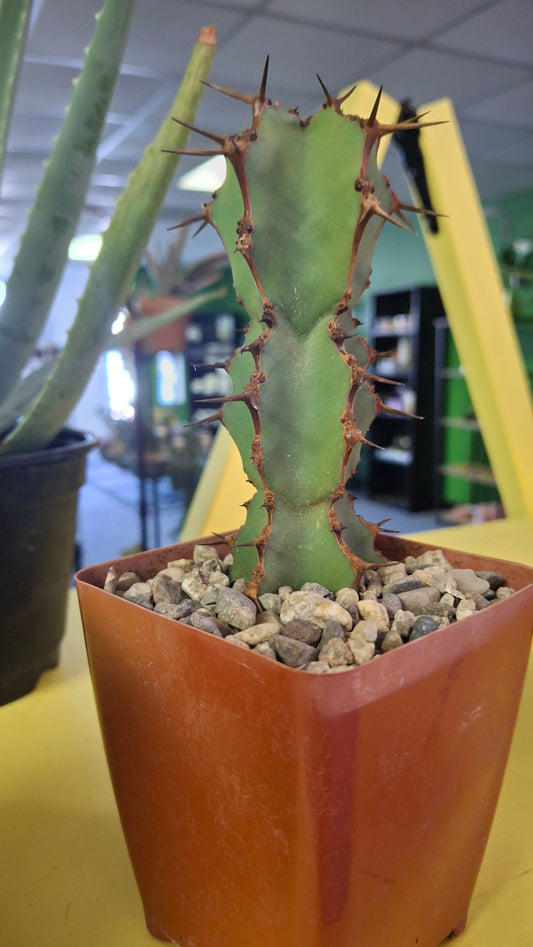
{"x":410,"y":20}
{"x":425,"y":74}
{"x":297,"y":52}
{"x":512,"y":108}
{"x":504,"y":32}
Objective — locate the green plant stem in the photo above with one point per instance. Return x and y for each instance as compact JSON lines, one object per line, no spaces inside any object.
{"x":14,"y":19}
{"x":114,"y":269}
{"x":43,"y":250}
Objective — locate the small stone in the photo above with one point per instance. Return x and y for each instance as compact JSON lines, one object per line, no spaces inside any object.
{"x":268,"y":617}
{"x":468,"y":582}
{"x":265,"y":648}
{"x":227,"y":562}
{"x":481,"y":602}
{"x":185,"y":564}
{"x":347,"y":599}
{"x":140,"y":593}
{"x":332,"y":629}
{"x":433,"y":557}
{"x":340,"y":669}
{"x":293,"y":653}
{"x":402,"y":585}
{"x":126,"y":580}
{"x":316,"y":587}
{"x":392,"y":603}
{"x":209,"y":598}
{"x":234,"y":639}
{"x":240,"y":585}
{"x":174,"y":572}
{"x":449,"y":599}
{"x":316,"y":667}
{"x":203,"y":553}
{"x":215,"y":578}
{"x":418,"y":597}
{"x":284,"y":591}
{"x":194,"y":585}
{"x":391,"y":641}
{"x":177,"y":612}
{"x":436,"y":609}
{"x":504,"y":592}
{"x":365,"y":630}
{"x":336,"y":652}
{"x":465,"y":608}
{"x":314,"y":607}
{"x":303,"y":630}
{"x":403,"y":622}
{"x":493,"y":578}
{"x":166,"y":589}
{"x":271,"y":602}
{"x":210,"y":565}
{"x":204,"y":623}
{"x":374,"y":611}
{"x":392,"y":573}
{"x":256,"y":634}
{"x":371,"y":582}
{"x":111,"y":580}
{"x":410,"y":564}
{"x":235,"y":608}
{"x":362,"y":651}
{"x":423,"y":626}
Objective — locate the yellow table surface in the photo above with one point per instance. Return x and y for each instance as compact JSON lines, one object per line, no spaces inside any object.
{"x":65,"y":878}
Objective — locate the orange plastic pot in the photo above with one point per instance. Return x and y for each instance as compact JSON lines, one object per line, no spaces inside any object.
{"x":264,"y":806}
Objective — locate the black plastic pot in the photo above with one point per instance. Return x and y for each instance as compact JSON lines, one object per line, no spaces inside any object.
{"x":38,"y":504}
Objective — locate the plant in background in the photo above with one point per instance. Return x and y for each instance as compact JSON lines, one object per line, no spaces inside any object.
{"x":307,"y":202}
{"x":34,"y":405}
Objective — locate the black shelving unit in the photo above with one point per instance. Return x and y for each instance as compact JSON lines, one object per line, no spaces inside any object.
{"x":401,"y":470}
{"x":464,"y":482}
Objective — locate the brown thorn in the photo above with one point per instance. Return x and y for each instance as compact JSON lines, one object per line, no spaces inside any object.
{"x":217,"y":416}
{"x":261,"y":95}
{"x":378,"y":210}
{"x":240,"y":96}
{"x":419,"y":210}
{"x":200,"y":131}
{"x":195,"y":152}
{"x":407,"y":126}
{"x":342,"y":98}
{"x":331,"y":102}
{"x":374,"y":113}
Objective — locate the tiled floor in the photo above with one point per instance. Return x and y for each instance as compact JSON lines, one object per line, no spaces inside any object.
{"x":109,"y":522}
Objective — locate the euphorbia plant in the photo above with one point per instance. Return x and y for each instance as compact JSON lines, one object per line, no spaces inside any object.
{"x":299,"y":213}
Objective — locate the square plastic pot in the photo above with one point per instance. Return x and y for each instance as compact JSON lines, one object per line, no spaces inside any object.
{"x":269,"y":807}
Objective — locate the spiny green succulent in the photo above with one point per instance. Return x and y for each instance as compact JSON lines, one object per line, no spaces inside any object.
{"x":299,"y":213}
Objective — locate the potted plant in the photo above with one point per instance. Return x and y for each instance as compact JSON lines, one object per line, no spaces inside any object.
{"x":263,"y":803}
{"x":41,"y":462}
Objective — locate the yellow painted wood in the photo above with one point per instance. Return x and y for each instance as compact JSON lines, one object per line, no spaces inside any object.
{"x":65,"y":877}
{"x":217,"y":505}
{"x":469,"y":281}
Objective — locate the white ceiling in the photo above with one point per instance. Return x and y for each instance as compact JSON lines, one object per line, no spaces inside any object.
{"x":477,"y":52}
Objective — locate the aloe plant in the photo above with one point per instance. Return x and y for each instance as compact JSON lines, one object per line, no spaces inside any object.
{"x":307,"y":203}
{"x":46,"y":399}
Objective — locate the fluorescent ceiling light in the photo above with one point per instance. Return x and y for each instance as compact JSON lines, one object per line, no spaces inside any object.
{"x":85,"y":247}
{"x":207,"y":176}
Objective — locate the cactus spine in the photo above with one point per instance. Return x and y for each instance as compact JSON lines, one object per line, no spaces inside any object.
{"x":307,"y":202}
